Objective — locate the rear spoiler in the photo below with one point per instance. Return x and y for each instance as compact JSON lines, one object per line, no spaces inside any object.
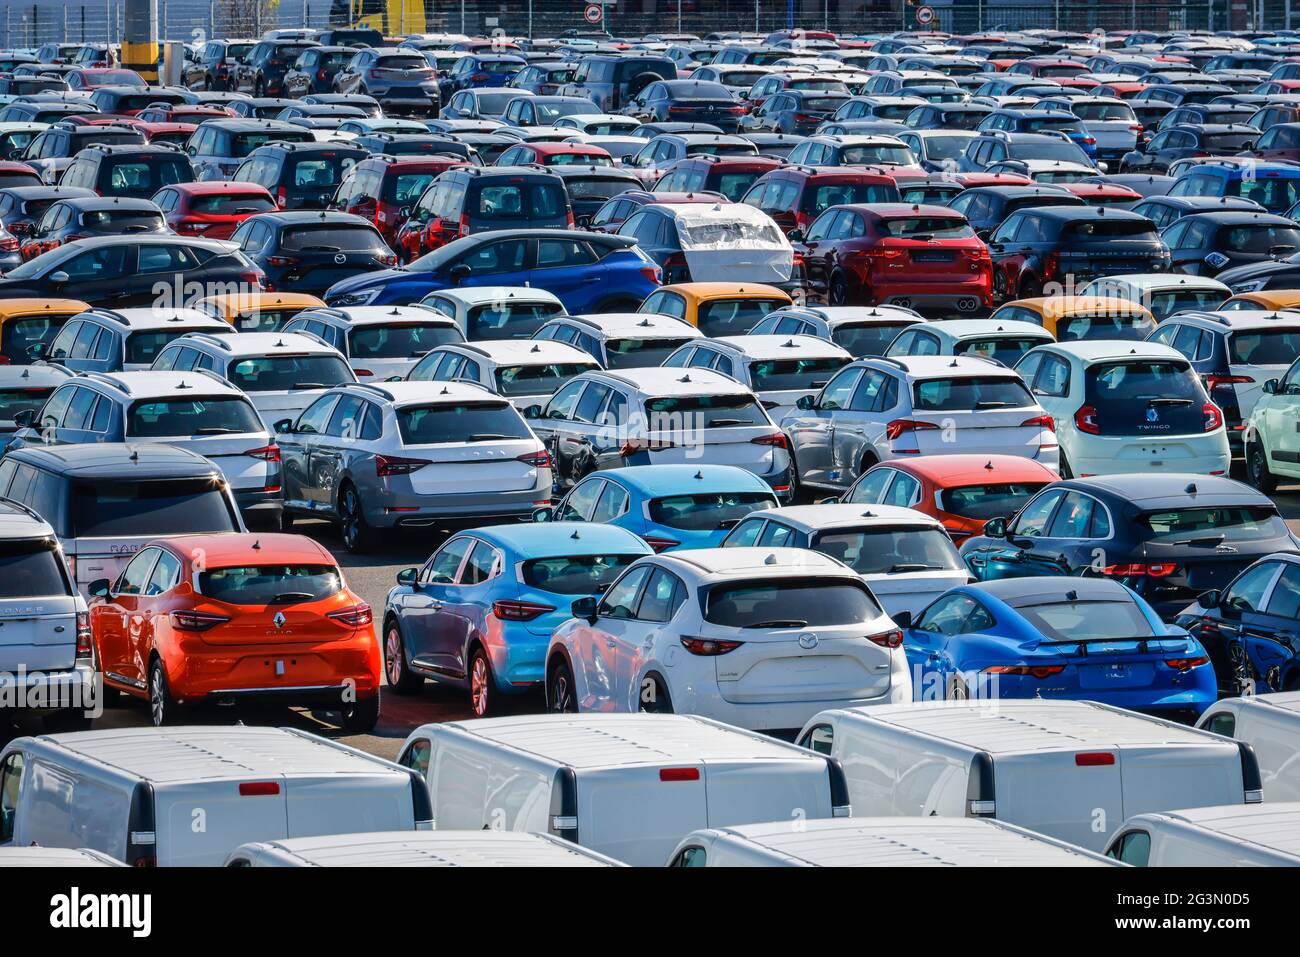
{"x":1083,"y":643}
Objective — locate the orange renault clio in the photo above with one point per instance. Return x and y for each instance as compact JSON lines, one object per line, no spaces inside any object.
{"x":224,"y":619}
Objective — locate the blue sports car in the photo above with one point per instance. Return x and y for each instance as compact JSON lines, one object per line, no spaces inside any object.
{"x":1054,"y":637}
{"x":588,"y":272}
{"x":670,"y":506}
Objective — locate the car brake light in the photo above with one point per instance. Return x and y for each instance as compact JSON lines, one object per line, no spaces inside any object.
{"x":1213,"y":417}
{"x":1085,"y":420}
{"x":259,"y":788}
{"x":1040,"y":421}
{"x":269,"y":453}
{"x":898,"y":427}
{"x":888,"y":639}
{"x":355,"y":616}
{"x":1155,"y":570}
{"x":660,"y":544}
{"x":538,"y":460}
{"x":709,"y":647}
{"x":777,"y":440}
{"x":85,"y":640}
{"x":1028,"y":671}
{"x":651,"y":274}
{"x":462,"y":228}
{"x":281,"y":197}
{"x":507,"y":610}
{"x":386,"y":465}
{"x":1094,"y":759}
{"x":197,"y":620}
{"x":1213,"y":382}
{"x":1187,"y":664}
{"x":679,"y":774}
{"x":8,"y":243}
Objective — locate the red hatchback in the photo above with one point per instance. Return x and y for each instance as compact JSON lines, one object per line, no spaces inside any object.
{"x":384,"y":189}
{"x":212,"y":210}
{"x":922,"y":257}
{"x":732,"y":176}
{"x":796,"y":195}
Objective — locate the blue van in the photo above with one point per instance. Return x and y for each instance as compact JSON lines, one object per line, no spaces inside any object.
{"x":1275,"y":186}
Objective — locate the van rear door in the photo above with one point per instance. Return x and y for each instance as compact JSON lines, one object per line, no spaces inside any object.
{"x":198,"y":823}
{"x":338,"y":803}
{"x":1158,"y":779}
{"x":638,"y":814}
{"x":1076,"y":796}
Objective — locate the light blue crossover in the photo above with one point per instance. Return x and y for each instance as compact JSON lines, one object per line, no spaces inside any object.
{"x":670,"y":506}
{"x":480,"y":612}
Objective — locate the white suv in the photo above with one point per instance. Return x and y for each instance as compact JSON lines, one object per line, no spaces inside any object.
{"x":525,"y":371}
{"x":760,"y":638}
{"x":379,"y":342}
{"x":622,"y":340}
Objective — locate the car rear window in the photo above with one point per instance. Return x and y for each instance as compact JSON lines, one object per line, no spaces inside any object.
{"x":867,"y":339}
{"x":1259,"y":239}
{"x":244,"y":143}
{"x":124,"y":220}
{"x":143,"y":347}
{"x":1147,"y":396}
{"x":158,"y":418}
{"x":332,"y":238}
{"x":510,"y":320}
{"x":31,"y":569}
{"x":146,"y":176}
{"x":471,"y":422}
{"x":107,"y":509}
{"x":286,"y":373}
{"x":1209,"y":526}
{"x":792,"y":603}
{"x":1264,"y":347}
{"x":537,"y":379}
{"x":923,"y":228}
{"x":1088,"y":620}
{"x":706,"y":411}
{"x":879,"y":551}
{"x":406,"y":188}
{"x":777,"y":374}
{"x":1004,"y":349}
{"x":982,"y":502}
{"x":640,"y":353}
{"x":231,"y":204}
{"x":13,"y":401}
{"x":1106,"y":326}
{"x":838,"y":194}
{"x":707,"y":513}
{"x":323,"y":171}
{"x":733,"y":317}
{"x":1110,"y":229}
{"x":270,"y":584}
{"x":971,"y":392}
{"x":596,"y":187}
{"x":575,"y":574}
{"x":518,"y":201}
{"x":871,"y":155}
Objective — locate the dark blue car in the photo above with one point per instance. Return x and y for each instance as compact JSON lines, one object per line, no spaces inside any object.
{"x":480,"y":69}
{"x":588,"y":272}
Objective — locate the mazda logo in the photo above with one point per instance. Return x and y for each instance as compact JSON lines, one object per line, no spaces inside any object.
{"x":340,"y":258}
{"x":808,"y":641}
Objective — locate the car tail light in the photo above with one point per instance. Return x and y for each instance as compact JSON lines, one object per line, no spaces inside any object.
{"x":507,"y":610}
{"x":651,"y":274}
{"x":1155,"y":569}
{"x":462,"y":228}
{"x":85,"y":640}
{"x":888,"y":639}
{"x":19,"y":228}
{"x":898,"y":427}
{"x":777,"y":440}
{"x":281,"y":197}
{"x":538,"y":460}
{"x":1027,"y":671}
{"x":280,"y":261}
{"x":252,"y":278}
{"x":356,"y":616}
{"x":480,"y":77}
{"x":660,"y":544}
{"x":1094,"y":759}
{"x":359,"y":373}
{"x":1213,"y":417}
{"x":1051,"y":264}
{"x":322,"y":75}
{"x":1085,"y":420}
{"x":709,"y":647}
{"x":1041,"y":422}
{"x":1088,"y":141}
{"x":1213,"y":382}
{"x":197,"y":620}
{"x":386,"y":465}
{"x":571,"y":221}
{"x":259,"y":788}
{"x":1186,"y":664}
{"x":268,"y":453}
{"x":806,"y":118}
{"x":679,"y":774}
{"x":8,"y":243}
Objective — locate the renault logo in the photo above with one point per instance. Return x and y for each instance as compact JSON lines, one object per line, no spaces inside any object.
{"x":278,"y":620}
{"x":1153,"y":415}
{"x":808,"y":641}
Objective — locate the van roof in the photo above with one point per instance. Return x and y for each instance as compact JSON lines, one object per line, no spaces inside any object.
{"x":592,"y":741}
{"x":437,"y":849}
{"x":1275,"y":825}
{"x":1282,"y":700}
{"x":198,"y":753}
{"x":1027,"y":726}
{"x":912,"y":842}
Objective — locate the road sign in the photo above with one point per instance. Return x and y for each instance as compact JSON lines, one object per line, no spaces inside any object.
{"x":593,"y":13}
{"x":925,"y":15}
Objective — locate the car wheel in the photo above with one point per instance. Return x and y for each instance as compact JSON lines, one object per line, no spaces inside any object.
{"x":560,"y":697}
{"x":654,"y":697}
{"x":357,"y":535}
{"x":1258,"y":473}
{"x":363,"y":715}
{"x":162,"y":706}
{"x":482,"y":691}
{"x":999,"y":286}
{"x":838,"y":293}
{"x":400,"y":677}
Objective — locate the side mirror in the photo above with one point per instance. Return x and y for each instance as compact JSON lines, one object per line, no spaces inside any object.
{"x":59,"y":277}
{"x":99,"y":588}
{"x":25,"y":419}
{"x":283,"y":425}
{"x":544,"y":514}
{"x":1209,"y":599}
{"x":533,"y":412}
{"x":795,"y":235}
{"x":903,"y":619}
{"x":1270,"y":387}
{"x":584,"y":608}
{"x":995,"y":247}
{"x":996,"y":527}
{"x":408,"y":576}
{"x":460,"y":272}
{"x":807,"y":403}
{"x":36,"y":350}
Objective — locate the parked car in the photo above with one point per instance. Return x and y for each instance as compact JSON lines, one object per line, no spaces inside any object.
{"x":309,"y":251}
{"x":1228,"y":835}
{"x":526,"y":371}
{"x":117,"y":340}
{"x":130,"y":171}
{"x":402,"y":80}
{"x":378,"y":343}
{"x":860,"y":330}
{"x":496,"y":312}
{"x":220,"y":146}
{"x":211,"y":210}
{"x":298,"y":175}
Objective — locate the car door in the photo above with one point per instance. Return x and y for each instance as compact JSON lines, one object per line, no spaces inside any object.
{"x":600,"y":645}
{"x":330,"y":452}
{"x":424,"y":630}
{"x":102,"y":275}
{"x":928,"y":645}
{"x":296,"y":446}
{"x":859,"y":433}
{"x":505,"y":262}
{"x":567,"y":267}
{"x":1271,"y":635}
{"x":557,"y":430}
{"x":636,"y":647}
{"x":1006,"y":559}
{"x":461,"y":617}
{"x":115,"y":620}
{"x":578,"y":505}
{"x":1051,"y":387}
{"x":811,"y":430}
{"x":1280,"y":421}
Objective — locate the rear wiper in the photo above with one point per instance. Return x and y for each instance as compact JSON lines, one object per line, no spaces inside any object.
{"x":1204,"y":540}
{"x":778,"y":623}
{"x":215,"y":430}
{"x":321,"y":249}
{"x":914,"y":567}
{"x":288,"y":596}
{"x":922,"y":237}
{"x":993,"y":404}
{"x":717,"y":423}
{"x":487,"y":437}
{"x":1166,"y":401}
{"x":310,"y":385}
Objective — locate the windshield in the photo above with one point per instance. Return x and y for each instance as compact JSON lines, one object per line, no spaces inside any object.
{"x":537,"y":379}
{"x":982,"y":502}
{"x":1088,"y":620}
{"x":880,"y":551}
{"x":30,"y":569}
{"x":575,"y":574}
{"x":108,"y":509}
{"x":158,"y":418}
{"x":270,"y":584}
{"x":287,"y":373}
{"x":399,"y":340}
{"x":707,"y":513}
{"x":471,"y":422}
{"x":970,"y":393}
{"x":793,"y":603}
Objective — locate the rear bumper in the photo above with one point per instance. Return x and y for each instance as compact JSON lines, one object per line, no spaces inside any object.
{"x":44,"y":692}
{"x":320,"y":695}
{"x":259,"y":505}
{"x":416,"y":511}
{"x":1104,"y":458}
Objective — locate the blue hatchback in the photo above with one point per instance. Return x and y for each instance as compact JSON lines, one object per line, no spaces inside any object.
{"x":1056,"y":637}
{"x":670,"y":506}
{"x":588,"y":272}
{"x":480,"y":612}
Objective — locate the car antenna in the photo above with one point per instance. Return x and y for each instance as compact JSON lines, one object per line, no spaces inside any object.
{"x":1191,"y":488}
{"x":1071,"y":595}
{"x":257,"y":545}
{"x":699,"y":476}
{"x":183,"y":385}
{"x":770,"y":560}
{"x":989,"y":465}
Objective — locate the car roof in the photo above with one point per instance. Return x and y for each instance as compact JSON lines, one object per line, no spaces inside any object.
{"x":152,"y":384}
{"x":973,"y":469}
{"x":1154,"y":281}
{"x":376,"y":315}
{"x":1237,"y":320}
{"x":555,"y":539}
{"x":960,"y":329}
{"x":651,"y":481}
{"x":779,"y":347}
{"x":811,"y":518}
{"x":1275,"y":825}
{"x":1103,"y":350}
{"x":941,"y":367}
{"x":645,"y":325}
{"x":425,"y":392}
{"x":246,"y":344}
{"x":149,"y":318}
{"x":474,"y":295}
{"x":731,"y":564}
{"x":240,"y":548}
{"x":524,"y":351}
{"x":1172,"y":490}
{"x":1050,"y":590}
{"x":670,"y":381}
{"x":118,"y":460}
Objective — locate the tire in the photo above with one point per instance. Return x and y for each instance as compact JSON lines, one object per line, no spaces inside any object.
{"x":1257,"y":470}
{"x":358,"y":537}
{"x":162,"y":706}
{"x":363,"y":715}
{"x":259,"y":88}
{"x":397,"y":670}
{"x":483,"y":693}
{"x":660,"y":702}
{"x":560,"y":698}
{"x":1000,"y":286}
{"x":837,"y":293}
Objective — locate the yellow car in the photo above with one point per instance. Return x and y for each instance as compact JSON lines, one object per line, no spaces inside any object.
{"x":257,"y":311}
{"x":32,"y":322}
{"x":717,"y":308}
{"x":1267,"y":300}
{"x":1071,"y":318}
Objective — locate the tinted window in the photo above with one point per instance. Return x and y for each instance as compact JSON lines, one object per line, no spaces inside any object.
{"x":30,"y":569}
{"x":999,"y":500}
{"x":706,"y":512}
{"x":399,"y":341}
{"x":172,"y":507}
{"x":474,"y":422}
{"x":801,"y":601}
{"x":973,"y":392}
{"x":575,"y":574}
{"x":286,"y":373}
{"x":182,"y":417}
{"x":872,"y":552}
{"x":270,"y":584}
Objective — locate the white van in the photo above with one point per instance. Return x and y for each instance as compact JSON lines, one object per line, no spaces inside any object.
{"x":1067,"y":769}
{"x":880,"y":842}
{"x":189,"y":796}
{"x":54,"y":857}
{"x":1263,"y":835}
{"x":626,"y":785}
{"x":418,"y":849}
{"x":1270,"y":724}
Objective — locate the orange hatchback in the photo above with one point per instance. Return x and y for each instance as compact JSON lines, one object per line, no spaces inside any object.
{"x":224,"y":619}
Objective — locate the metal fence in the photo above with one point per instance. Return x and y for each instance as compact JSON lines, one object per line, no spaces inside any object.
{"x":41,"y":21}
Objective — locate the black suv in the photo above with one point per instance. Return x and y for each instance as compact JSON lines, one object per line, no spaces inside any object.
{"x":309,"y":251}
{"x":985,"y":207}
{"x":612,"y":81}
{"x":51,"y":152}
{"x":1037,"y":246}
{"x":299,"y":175}
{"x":137,"y":171}
{"x":262,"y":73}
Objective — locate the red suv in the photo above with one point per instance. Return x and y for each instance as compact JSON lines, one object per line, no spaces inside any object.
{"x":732,"y":176}
{"x":212,"y":210}
{"x":384,"y":189}
{"x":923,"y":257}
{"x":794,"y":196}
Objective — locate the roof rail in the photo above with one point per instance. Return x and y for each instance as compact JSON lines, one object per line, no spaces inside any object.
{"x":369,"y":387}
{"x":208,"y":338}
{"x":31,"y":512}
{"x":108,"y":313}
{"x":216,"y":376}
{"x":104,"y":378}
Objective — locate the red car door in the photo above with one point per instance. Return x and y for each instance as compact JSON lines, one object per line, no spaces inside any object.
{"x":115,"y":621}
